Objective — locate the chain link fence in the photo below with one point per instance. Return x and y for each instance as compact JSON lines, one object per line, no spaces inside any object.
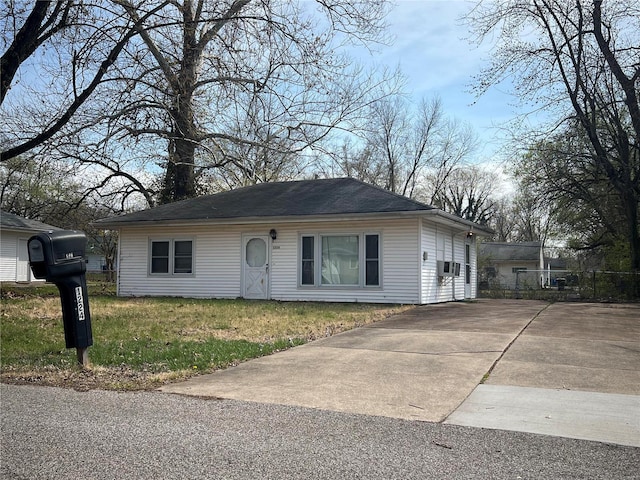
{"x":602,"y":286}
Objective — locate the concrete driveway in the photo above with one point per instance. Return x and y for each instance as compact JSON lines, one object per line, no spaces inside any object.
{"x":562,"y":369}
{"x":573,"y":372}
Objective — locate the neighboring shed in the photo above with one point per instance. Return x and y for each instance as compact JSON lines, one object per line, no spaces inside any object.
{"x":14,"y":234}
{"x":501,"y":262}
{"x":337,"y":240}
{"x":555,"y":268}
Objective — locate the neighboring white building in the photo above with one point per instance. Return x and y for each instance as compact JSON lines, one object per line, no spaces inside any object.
{"x":15,"y":231}
{"x":335,"y":240}
{"x":511,"y":264}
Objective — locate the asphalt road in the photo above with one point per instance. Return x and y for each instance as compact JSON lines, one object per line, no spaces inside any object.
{"x":52,"y":433}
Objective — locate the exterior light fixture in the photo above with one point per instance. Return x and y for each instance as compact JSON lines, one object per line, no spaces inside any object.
{"x":273,"y":234}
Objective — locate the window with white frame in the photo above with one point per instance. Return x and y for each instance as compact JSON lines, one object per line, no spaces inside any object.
{"x":171,"y":257}
{"x":340,"y":260}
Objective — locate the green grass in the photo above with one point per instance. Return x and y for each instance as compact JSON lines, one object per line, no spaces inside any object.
{"x":143,"y":342}
{"x":158,"y":356}
{"x":42,"y":344}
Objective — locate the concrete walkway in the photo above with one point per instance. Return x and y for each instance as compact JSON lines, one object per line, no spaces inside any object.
{"x":427,"y":364}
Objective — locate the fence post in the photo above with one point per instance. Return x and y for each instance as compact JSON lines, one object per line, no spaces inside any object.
{"x":594,"y":284}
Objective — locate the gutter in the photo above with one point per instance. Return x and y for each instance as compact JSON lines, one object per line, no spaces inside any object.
{"x":454,"y":221}
{"x":436,"y":215}
{"x":259,"y":220}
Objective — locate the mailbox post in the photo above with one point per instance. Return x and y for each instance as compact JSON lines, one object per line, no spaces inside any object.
{"x":59,"y":257}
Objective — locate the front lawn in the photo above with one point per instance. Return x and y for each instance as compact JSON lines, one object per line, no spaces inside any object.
{"x":141,"y":343}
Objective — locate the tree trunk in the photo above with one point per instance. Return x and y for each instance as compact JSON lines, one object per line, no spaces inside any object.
{"x":179,"y":180}
{"x":631,"y":203}
{"x":184,"y":170}
{"x":24,"y":44}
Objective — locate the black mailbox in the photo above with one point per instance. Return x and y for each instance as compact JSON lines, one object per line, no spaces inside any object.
{"x":59,"y":257}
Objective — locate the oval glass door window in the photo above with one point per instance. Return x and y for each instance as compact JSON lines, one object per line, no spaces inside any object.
{"x":256,"y":253}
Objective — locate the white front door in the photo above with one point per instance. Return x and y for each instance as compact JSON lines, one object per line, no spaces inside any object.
{"x":22,"y":267}
{"x":255,"y":266}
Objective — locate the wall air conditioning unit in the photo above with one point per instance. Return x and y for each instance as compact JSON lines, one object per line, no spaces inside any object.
{"x":448,"y":269}
{"x":445,"y":268}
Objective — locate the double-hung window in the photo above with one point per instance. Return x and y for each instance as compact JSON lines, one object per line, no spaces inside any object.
{"x":171,"y":257}
{"x":340,"y":260}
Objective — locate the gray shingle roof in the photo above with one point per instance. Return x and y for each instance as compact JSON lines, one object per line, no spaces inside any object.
{"x":504,"y":251}
{"x":10,"y":221}
{"x":337,"y":196}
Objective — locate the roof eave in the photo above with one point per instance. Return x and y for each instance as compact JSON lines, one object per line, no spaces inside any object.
{"x":461,"y":224}
{"x":436,"y":215}
{"x":27,"y":229}
{"x":255,"y":220}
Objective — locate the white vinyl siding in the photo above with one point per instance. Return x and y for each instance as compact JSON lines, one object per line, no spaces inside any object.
{"x":443,"y":243}
{"x":458,"y":257}
{"x":9,"y":257}
{"x":473,"y":250}
{"x":9,"y":253}
{"x":216,"y":261}
{"x":9,"y":245}
{"x":405,"y":277}
{"x":429,"y":270}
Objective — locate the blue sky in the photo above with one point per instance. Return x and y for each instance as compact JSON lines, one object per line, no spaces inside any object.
{"x":431,"y":47}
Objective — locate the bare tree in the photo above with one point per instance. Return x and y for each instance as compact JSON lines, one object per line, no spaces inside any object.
{"x":94,"y":40}
{"x":38,"y":190}
{"x":580,"y":60}
{"x":410,"y":151}
{"x":502,"y":220}
{"x":144,"y":97}
{"x":532,"y":218}
{"x":206,"y":69}
{"x":44,"y":20}
{"x":269,"y":151}
{"x":457,"y":143}
{"x":468,"y":193}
